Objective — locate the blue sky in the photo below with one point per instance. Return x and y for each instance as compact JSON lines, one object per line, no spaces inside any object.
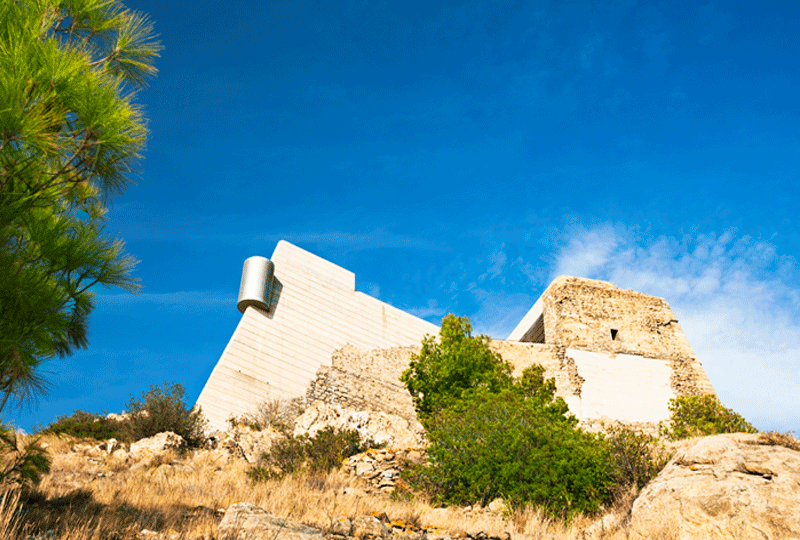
{"x":457,"y":156}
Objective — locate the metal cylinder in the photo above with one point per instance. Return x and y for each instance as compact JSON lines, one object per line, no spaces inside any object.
{"x":256,"y":286}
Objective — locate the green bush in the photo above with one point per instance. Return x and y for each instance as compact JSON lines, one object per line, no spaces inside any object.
{"x":493,"y":436}
{"x":694,"y":416}
{"x":164,"y":409}
{"x":506,"y":445}
{"x":451,"y":368}
{"x":324,"y":451}
{"x":636,"y":458}
{"x":86,"y":424}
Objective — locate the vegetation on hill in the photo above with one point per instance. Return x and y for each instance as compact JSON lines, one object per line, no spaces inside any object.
{"x":319,"y":453}
{"x":495,"y":436}
{"x":159,"y":409}
{"x":693,"y":416}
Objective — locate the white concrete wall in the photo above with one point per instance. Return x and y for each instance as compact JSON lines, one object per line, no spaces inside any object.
{"x":622,"y":387}
{"x":278,"y":353}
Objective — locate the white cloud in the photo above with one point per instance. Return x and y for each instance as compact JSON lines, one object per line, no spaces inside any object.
{"x":735,"y":297}
{"x":432,"y":310}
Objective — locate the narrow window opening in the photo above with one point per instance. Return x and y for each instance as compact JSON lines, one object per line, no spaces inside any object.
{"x":614,"y":334}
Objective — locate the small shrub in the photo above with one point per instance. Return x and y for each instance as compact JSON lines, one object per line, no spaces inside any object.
{"x":164,"y":409}
{"x":324,"y":451}
{"x":636,"y":458}
{"x":287,"y":455}
{"x":279,"y":414}
{"x":694,"y":416}
{"x":776,"y":438}
{"x":82,"y":424}
{"x":21,"y":462}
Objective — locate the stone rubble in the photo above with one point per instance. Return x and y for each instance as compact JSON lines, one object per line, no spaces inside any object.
{"x":380,"y":469}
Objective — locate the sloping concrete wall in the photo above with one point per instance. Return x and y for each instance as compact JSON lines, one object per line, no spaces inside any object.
{"x":314,"y":310}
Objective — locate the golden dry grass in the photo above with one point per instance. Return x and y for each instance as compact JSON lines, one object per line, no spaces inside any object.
{"x":96,"y":496}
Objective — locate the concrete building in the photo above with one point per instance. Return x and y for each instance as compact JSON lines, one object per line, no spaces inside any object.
{"x":292,"y":322}
{"x":614,"y":354}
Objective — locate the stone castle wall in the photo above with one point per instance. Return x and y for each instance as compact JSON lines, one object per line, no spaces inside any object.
{"x":581,"y":314}
{"x":599,"y":387}
{"x":365,"y":380}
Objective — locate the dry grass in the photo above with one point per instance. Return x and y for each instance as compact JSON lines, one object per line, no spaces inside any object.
{"x":90,"y":496}
{"x":775,"y":438}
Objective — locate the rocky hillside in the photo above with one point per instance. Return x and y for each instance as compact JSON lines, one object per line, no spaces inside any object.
{"x":725,"y":486}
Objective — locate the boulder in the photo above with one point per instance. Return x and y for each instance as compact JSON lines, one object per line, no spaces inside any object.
{"x":248,"y":444}
{"x":157,"y":445}
{"x":369,"y":528}
{"x":383,"y":428}
{"x":245,"y":521}
{"x":725,"y":486}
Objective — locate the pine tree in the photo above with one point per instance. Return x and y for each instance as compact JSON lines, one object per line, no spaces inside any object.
{"x":70,"y":136}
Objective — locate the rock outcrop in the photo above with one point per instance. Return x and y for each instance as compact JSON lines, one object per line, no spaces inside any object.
{"x":159,"y":444}
{"x":245,"y":521}
{"x":725,"y":486}
{"x":383,"y":428}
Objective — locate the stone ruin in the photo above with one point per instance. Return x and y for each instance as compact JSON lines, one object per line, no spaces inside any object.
{"x":616,"y":355}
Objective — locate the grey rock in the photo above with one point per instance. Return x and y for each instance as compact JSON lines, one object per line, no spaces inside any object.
{"x":157,"y":444}
{"x":245,"y":521}
{"x":369,"y":527}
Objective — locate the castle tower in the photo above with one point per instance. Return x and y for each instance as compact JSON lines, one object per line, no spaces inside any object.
{"x":616,"y":354}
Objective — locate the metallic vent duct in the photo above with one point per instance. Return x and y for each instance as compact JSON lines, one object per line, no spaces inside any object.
{"x":256,"y":285}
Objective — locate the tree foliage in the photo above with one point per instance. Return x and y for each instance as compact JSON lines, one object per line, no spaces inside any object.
{"x":493,"y":436}
{"x":693,"y":416}
{"x":70,"y":135}
{"x":450,"y":369}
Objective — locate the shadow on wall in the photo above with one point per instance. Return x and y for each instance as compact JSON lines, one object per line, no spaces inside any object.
{"x":275,"y":296}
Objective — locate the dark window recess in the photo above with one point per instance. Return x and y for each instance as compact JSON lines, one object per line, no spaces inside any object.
{"x":614,"y":332}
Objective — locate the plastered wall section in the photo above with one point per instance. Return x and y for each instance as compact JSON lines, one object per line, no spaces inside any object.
{"x":629,"y":388}
{"x":314,"y":310}
{"x":597,"y":386}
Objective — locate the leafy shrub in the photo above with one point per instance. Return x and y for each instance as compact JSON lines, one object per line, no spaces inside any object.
{"x":450,"y":369}
{"x":493,"y":436}
{"x":86,"y":424}
{"x":694,"y":416}
{"x":21,"y":462}
{"x":324,"y":451}
{"x":636,"y":458}
{"x":164,"y":409}
{"x":506,"y":445}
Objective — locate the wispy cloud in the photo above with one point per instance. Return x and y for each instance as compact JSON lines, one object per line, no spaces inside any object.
{"x":736,"y":298}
